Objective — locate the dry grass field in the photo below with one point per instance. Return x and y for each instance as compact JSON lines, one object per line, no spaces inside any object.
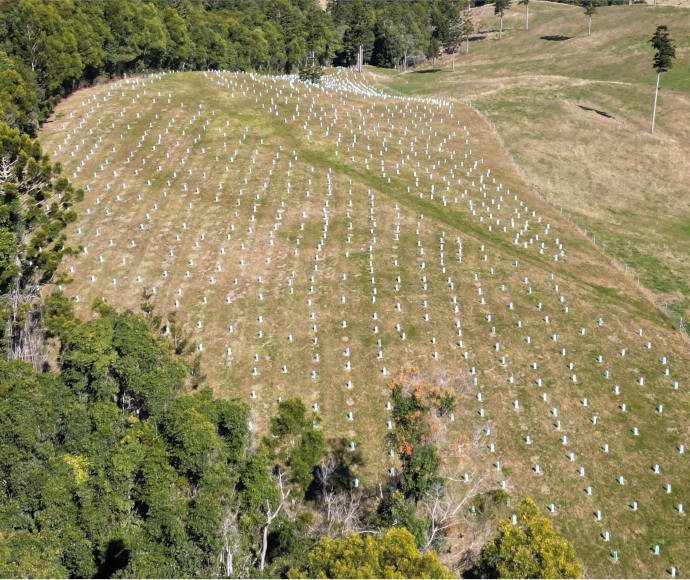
{"x":313,"y":240}
{"x":574,"y":112}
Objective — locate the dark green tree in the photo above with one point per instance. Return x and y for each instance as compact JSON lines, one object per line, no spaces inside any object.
{"x":35,"y":207}
{"x":387,"y":50}
{"x":358,"y":32}
{"x":433,"y":51}
{"x":664,"y":54}
{"x":47,"y":45}
{"x":18,"y":102}
{"x":297,"y":444}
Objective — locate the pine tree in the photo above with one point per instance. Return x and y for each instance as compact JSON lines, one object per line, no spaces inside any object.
{"x":35,"y":207}
{"x":467,"y":30}
{"x":454,"y":35}
{"x":663,"y":59}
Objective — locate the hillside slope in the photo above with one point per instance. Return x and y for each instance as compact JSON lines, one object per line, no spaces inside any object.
{"x":315,"y":239}
{"x":575,"y":112}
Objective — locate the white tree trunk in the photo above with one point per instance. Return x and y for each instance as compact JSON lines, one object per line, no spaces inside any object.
{"x":500,"y":27}
{"x":264,"y":547}
{"x":526,"y":16}
{"x":452,"y":62}
{"x":656,"y":94}
{"x":467,"y":45}
{"x":589,"y":25}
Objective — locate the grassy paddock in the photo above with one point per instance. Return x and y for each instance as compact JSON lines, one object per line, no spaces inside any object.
{"x":244,"y":140}
{"x":574,"y":112}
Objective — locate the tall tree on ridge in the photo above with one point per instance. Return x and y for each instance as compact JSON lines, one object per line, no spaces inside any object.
{"x":663,"y":58}
{"x":467,"y":30}
{"x":590,"y":8}
{"x":454,"y":36}
{"x":500,"y":6}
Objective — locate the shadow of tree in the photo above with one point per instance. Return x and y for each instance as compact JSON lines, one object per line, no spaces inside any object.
{"x":597,"y":111}
{"x":556,"y":37}
{"x":116,"y":558}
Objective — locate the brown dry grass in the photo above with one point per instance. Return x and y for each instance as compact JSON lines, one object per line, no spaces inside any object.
{"x":590,"y":288}
{"x":547,"y":91}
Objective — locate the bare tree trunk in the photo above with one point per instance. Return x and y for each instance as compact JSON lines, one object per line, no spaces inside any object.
{"x":230,"y":544}
{"x":405,"y":60}
{"x":23,"y":329}
{"x":656,"y":94}
{"x":270,"y":516}
{"x":500,"y":27}
{"x":467,"y":44}
{"x":589,"y":25}
{"x":452,"y":62}
{"x":526,"y":16}
{"x":226,"y":562}
{"x":264,"y":547}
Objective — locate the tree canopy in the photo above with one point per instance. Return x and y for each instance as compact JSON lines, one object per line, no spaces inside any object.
{"x":35,"y":207}
{"x":664,"y":49}
{"x":529,"y":549}
{"x":391,"y":555}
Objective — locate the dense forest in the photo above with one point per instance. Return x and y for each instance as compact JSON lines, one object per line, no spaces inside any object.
{"x":114,"y":465}
{"x":48,"y":48}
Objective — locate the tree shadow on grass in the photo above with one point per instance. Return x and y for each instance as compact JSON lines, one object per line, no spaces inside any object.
{"x":556,"y":37}
{"x":597,"y":111}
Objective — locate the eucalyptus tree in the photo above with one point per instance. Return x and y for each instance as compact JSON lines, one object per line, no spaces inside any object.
{"x":500,"y":6}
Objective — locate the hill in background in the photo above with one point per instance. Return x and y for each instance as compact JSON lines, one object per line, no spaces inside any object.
{"x":574,"y":112}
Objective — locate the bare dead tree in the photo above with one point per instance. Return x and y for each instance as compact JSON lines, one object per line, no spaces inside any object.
{"x":271,"y":514}
{"x":231,"y":543}
{"x":343,"y":512}
{"x":23,"y":328}
{"x":445,"y":509}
